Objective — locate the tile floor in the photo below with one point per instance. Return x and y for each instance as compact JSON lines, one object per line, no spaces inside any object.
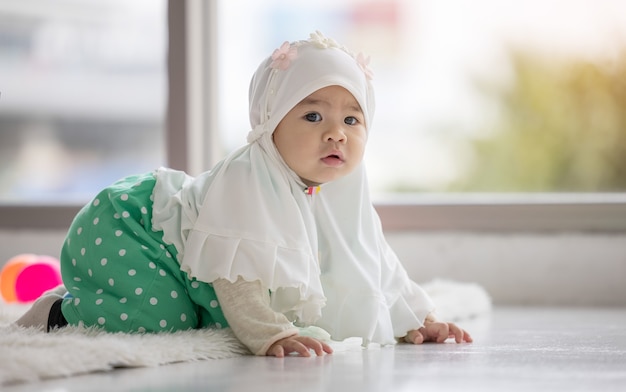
{"x":515,"y":349}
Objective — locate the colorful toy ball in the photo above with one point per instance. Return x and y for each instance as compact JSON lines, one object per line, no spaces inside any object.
{"x":25,"y":277}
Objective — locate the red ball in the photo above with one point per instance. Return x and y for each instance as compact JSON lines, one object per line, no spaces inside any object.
{"x":42,"y":275}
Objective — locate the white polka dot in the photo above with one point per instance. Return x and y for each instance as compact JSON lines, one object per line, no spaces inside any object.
{"x":152,"y":265}
{"x":69,"y":240}
{"x":104,"y":261}
{"x":124,"y":197}
{"x":74,"y":262}
{"x":195,"y":284}
{"x":132,"y":272}
{"x":138,"y":290}
{"x":174,"y":294}
{"x":183,"y":317}
{"x":95,"y":221}
{"x":153,"y":301}
{"x":163,"y":323}
{"x":77,"y":279}
{"x":101,"y":320}
{"x":162,"y":272}
{"x":90,"y":272}
{"x":144,"y":210}
{"x":99,"y":291}
{"x":168,"y":255}
{"x":162,"y":246}
{"x":116,"y":216}
{"x":151,"y":197}
{"x":79,"y":230}
{"x":76,"y":301}
{"x":99,"y":301}
{"x":218,"y":325}
{"x":143,"y":246}
{"x":98,"y":241}
{"x":123,"y":300}
{"x":141,"y":330}
{"x":214,"y":304}
{"x":125,"y":214}
{"x":96,"y":202}
{"x":111,"y":282}
{"x":122,"y":252}
{"x":123,"y":316}
{"x":82,"y":251}
{"x":118,"y":233}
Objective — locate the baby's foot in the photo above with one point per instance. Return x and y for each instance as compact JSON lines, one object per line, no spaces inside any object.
{"x":37,"y":316}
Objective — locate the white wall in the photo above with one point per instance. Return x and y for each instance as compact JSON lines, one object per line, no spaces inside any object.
{"x":544,"y":269}
{"x":14,"y":242}
{"x":539,"y":269}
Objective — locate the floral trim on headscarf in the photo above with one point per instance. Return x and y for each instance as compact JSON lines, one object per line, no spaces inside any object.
{"x":281,"y":58}
{"x":363,"y":63}
{"x":286,"y":53}
{"x":318,"y":39}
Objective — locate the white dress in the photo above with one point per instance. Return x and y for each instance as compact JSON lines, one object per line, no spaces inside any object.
{"x":323,"y":265}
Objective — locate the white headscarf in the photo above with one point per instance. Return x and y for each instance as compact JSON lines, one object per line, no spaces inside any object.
{"x":323,"y":256}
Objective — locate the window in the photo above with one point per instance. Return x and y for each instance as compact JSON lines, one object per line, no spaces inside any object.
{"x":82,"y":96}
{"x":472,"y":96}
{"x":441,"y":123}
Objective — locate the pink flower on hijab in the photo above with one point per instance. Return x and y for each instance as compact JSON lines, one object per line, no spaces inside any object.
{"x":363,"y":63}
{"x":282,"y":57}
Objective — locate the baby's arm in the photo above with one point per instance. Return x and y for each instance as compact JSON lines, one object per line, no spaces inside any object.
{"x":437,"y":331}
{"x":265,"y":332}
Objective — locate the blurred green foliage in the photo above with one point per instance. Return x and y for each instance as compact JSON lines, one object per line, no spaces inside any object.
{"x":561,"y":128}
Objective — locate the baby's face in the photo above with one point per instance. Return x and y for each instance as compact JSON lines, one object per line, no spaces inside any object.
{"x":323,"y":137}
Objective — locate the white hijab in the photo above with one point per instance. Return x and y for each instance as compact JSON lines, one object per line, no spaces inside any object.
{"x":323,"y":256}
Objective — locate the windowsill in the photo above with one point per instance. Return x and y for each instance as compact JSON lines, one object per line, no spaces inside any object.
{"x":540,"y":212}
{"x":604,"y":212}
{"x":37,"y":216}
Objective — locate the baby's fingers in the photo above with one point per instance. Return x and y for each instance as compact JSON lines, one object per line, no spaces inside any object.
{"x":414,"y":337}
{"x":443,"y":332}
{"x":325,"y":349}
{"x":459,"y":334}
{"x":300,"y":345}
{"x":280,"y":349}
{"x":467,"y":338}
{"x":276,"y":351}
{"x":317,"y":346}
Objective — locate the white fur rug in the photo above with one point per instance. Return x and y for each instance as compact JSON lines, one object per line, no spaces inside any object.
{"x":30,"y":355}
{"x":27,"y":355}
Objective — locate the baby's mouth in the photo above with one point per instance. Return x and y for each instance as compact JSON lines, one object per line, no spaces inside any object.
{"x":333,"y":160}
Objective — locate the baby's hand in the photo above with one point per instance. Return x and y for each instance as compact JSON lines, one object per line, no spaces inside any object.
{"x":300,"y":345}
{"x":439,"y":332}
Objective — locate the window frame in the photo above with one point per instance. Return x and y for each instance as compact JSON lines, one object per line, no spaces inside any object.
{"x":191,"y":109}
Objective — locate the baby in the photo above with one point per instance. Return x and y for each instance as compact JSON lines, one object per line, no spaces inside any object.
{"x":279,"y":235}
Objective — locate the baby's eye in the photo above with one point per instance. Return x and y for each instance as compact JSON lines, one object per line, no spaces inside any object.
{"x":313,"y":117}
{"x":350,"y":120}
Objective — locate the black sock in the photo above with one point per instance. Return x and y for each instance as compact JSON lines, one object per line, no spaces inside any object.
{"x":56,"y":318}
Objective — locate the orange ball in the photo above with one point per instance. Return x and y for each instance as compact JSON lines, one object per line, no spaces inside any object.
{"x":10,"y":272}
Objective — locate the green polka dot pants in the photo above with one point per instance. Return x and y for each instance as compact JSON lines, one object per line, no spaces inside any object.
{"x":120,"y":274}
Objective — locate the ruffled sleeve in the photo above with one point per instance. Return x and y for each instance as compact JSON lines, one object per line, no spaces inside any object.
{"x":177,"y":200}
{"x":291,"y":275}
